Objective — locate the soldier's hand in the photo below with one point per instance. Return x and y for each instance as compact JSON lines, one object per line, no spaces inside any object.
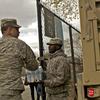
{"x":26,"y":83}
{"x":41,"y":58}
{"x":39,"y":81}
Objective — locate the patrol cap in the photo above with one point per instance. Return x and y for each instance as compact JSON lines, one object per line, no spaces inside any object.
{"x":55,"y":41}
{"x":9,"y":22}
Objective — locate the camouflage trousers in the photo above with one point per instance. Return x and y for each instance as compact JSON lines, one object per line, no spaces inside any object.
{"x":62,"y":96}
{"x":10,"y":97}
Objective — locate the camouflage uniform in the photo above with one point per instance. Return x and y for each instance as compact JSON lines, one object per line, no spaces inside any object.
{"x":14,"y":54}
{"x":58,"y":76}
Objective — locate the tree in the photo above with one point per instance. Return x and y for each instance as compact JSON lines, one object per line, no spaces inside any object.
{"x":76,"y":44}
{"x":66,"y":9}
{"x":78,"y":55}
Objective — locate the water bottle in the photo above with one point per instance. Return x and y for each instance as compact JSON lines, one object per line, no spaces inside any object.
{"x":40,"y":77}
{"x":40,"y":73}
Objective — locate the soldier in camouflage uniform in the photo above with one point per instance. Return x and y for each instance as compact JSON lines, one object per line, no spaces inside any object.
{"x":14,"y":54}
{"x":58,"y":73}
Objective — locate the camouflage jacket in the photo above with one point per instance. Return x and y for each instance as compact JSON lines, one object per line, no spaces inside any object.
{"x":58,"y":73}
{"x":14,"y":54}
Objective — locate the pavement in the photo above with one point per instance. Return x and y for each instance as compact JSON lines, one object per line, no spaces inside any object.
{"x":26,"y":94}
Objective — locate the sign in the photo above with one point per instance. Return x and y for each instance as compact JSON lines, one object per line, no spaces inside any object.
{"x":49,"y":23}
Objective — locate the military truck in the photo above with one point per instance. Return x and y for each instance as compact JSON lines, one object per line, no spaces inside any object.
{"x":88,"y":83}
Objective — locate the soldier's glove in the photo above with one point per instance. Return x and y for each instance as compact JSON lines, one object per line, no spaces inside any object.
{"x":26,"y":82}
{"x":40,"y":81}
{"x":41,"y":58}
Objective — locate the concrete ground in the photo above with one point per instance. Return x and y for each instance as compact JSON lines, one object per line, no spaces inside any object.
{"x":26,"y":94}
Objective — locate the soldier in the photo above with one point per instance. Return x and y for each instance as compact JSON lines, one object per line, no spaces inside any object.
{"x":14,"y":54}
{"x":58,"y":72}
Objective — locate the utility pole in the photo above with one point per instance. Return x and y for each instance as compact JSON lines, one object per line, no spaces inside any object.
{"x":39,"y":8}
{"x":39,"y":27}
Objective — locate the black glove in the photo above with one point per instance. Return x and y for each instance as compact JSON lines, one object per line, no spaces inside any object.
{"x":39,"y":81}
{"x":26,"y":82}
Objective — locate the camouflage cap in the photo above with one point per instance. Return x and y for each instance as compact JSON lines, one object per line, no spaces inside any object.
{"x":55,"y":41}
{"x":9,"y":22}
